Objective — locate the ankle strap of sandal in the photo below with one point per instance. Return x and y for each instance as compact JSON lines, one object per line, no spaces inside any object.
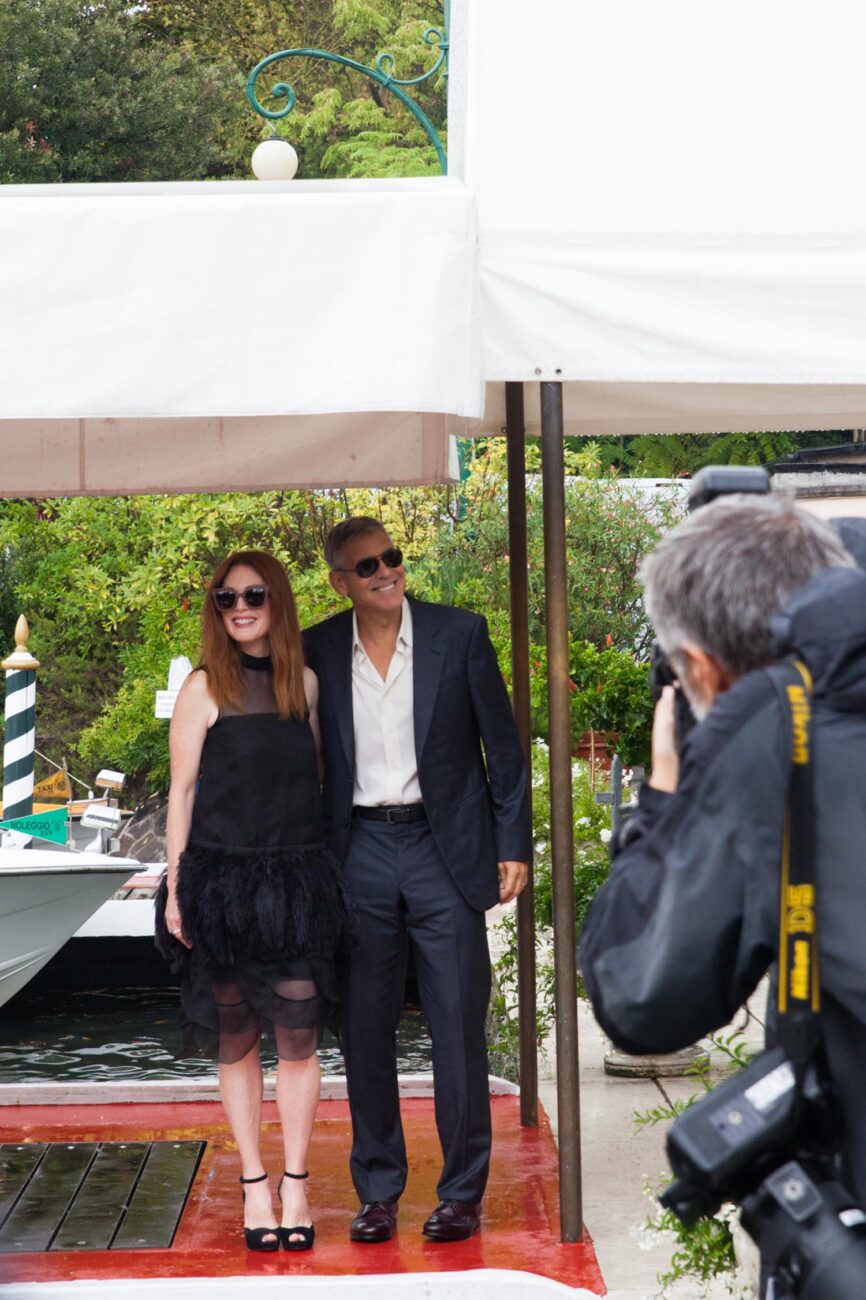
{"x":305,"y":1174}
{"x":261,"y":1178}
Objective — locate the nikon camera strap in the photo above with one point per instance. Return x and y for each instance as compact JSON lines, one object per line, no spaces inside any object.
{"x":798,"y":993}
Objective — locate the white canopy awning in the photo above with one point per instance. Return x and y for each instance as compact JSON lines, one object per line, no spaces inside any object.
{"x":670,"y":207}
{"x":239,"y":335}
{"x":238,"y":454}
{"x":659,"y":205}
{"x":595,"y":409}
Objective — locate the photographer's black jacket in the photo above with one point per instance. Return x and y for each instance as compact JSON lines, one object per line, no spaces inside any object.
{"x":688,"y":921}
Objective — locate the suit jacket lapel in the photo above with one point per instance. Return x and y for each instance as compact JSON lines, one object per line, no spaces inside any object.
{"x":427,"y":647}
{"x":339,"y":670}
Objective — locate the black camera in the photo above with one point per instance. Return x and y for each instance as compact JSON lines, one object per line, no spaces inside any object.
{"x":767,"y":1137}
{"x":718,"y":1147}
{"x":764,"y":1139}
{"x":661,"y":674}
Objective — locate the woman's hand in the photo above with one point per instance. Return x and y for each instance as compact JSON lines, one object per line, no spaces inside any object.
{"x":174,"y":922}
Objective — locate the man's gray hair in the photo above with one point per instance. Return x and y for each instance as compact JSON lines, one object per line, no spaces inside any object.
{"x":340,"y":536}
{"x":718,"y":577}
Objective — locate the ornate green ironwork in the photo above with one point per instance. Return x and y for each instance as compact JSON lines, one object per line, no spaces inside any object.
{"x":382,"y":74}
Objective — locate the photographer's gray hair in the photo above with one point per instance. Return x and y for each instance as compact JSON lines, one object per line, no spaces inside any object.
{"x":718,"y":577}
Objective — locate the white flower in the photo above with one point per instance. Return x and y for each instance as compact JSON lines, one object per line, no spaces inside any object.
{"x":648,"y":1237}
{"x":582,"y":821}
{"x":604,"y":836}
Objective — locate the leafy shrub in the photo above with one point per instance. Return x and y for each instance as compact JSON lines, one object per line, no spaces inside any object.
{"x":704,"y":1252}
{"x":591,"y":865}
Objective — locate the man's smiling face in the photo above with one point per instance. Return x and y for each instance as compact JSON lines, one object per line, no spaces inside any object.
{"x":384,"y":591}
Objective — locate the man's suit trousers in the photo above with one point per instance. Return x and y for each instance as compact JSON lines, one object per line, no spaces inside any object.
{"x":404,"y":894}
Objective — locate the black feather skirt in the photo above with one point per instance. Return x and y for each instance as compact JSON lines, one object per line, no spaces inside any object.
{"x":267,"y":929}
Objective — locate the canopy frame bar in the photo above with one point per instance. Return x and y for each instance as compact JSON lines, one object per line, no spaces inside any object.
{"x":561,"y":812}
{"x":518,"y":560}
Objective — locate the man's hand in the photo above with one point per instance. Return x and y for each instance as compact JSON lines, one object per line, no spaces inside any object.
{"x":665,"y":759}
{"x":512,"y":879}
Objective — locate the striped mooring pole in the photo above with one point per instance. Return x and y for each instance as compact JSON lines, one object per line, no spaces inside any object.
{"x":19,"y":737}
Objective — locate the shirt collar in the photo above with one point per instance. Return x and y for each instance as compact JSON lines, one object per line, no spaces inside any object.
{"x":404,"y":635}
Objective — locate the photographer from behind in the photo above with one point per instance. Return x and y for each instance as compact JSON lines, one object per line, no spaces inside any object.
{"x":688,"y":922}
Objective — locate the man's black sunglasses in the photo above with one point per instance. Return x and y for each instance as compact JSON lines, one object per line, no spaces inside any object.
{"x":225,"y":598}
{"x":392,"y":559}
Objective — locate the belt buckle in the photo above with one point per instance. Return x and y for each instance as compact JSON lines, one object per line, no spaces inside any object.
{"x":392,"y":816}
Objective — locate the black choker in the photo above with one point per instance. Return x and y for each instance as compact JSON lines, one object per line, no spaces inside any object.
{"x":261,"y":663}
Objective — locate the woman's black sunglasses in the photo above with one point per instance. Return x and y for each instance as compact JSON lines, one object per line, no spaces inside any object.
{"x":392,"y":559}
{"x":225,"y":598}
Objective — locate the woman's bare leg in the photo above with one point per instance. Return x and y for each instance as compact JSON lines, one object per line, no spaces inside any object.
{"x":241,"y":1092}
{"x":298,"y":1085}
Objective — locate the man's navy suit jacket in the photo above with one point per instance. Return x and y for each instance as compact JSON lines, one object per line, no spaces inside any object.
{"x":478,"y":813}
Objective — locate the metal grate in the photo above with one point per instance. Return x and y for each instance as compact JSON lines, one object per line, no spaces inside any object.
{"x":94,"y":1195}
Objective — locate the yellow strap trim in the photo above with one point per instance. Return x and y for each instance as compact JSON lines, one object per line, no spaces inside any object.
{"x":805,"y":674}
{"x":783,"y":913}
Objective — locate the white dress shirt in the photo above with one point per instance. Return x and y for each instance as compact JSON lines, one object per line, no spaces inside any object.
{"x":386,"y":768}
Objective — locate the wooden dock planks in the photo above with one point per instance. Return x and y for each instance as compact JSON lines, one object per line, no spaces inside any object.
{"x":16,"y":1166}
{"x":102,"y":1201}
{"x":160,"y":1196}
{"x":94,"y":1196}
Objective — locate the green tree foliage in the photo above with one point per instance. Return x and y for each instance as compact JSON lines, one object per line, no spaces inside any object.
{"x":609,"y":528}
{"x":113,"y":590}
{"x":677,"y":455}
{"x":89,"y":95}
{"x":591,"y":822}
{"x":343,"y":123}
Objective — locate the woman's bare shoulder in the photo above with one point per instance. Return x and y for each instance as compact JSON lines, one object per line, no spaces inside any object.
{"x":194,"y":697}
{"x":196,"y":684}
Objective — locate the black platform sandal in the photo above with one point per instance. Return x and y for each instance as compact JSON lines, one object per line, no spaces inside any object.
{"x":307,"y":1235}
{"x":255,"y":1237}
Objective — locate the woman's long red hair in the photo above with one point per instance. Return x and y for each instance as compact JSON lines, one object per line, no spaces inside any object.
{"x":221,"y":655}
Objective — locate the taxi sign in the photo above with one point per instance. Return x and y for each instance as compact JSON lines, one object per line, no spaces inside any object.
{"x":56,"y":788}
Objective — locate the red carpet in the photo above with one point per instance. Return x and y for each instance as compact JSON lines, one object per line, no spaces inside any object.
{"x":520,"y":1224}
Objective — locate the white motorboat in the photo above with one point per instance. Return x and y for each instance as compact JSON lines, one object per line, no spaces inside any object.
{"x":45,"y":896}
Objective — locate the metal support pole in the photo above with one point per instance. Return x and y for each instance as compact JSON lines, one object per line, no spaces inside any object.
{"x":561,"y":816}
{"x":518,"y":560}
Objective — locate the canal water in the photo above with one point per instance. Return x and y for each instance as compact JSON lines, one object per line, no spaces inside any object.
{"x":132,"y":1033}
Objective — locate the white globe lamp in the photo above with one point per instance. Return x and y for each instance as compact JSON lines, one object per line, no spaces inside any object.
{"x":274,"y":160}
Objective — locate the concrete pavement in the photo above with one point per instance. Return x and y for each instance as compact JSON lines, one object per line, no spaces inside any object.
{"x":619,"y":1161}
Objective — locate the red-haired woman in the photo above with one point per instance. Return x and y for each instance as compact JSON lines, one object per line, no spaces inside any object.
{"x":252,"y":912}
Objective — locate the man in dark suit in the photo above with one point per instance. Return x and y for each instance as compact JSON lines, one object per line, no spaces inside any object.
{"x":431,"y":832}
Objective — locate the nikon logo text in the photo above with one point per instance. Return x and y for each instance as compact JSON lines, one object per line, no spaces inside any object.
{"x":800,"y":971}
{"x":800,"y":910}
{"x":799,"y":702}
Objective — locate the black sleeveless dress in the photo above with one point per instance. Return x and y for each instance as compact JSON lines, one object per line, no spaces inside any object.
{"x":260,"y":896}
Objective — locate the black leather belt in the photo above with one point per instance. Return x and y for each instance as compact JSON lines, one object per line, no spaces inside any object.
{"x":394,"y":814}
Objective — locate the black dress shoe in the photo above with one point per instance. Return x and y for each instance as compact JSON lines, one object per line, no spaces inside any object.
{"x":452,"y":1221}
{"x":375,"y":1221}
